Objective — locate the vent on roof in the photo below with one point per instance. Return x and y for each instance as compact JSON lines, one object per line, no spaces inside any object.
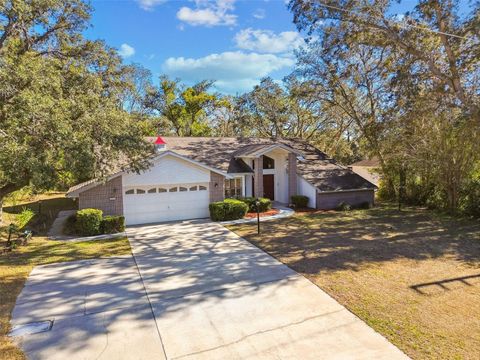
{"x":160,"y":144}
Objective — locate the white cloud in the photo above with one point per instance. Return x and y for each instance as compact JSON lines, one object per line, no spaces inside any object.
{"x":149,"y":4}
{"x":126,"y":50}
{"x":266,"y":41}
{"x":259,"y":14}
{"x":209,"y":13}
{"x":233,"y":71}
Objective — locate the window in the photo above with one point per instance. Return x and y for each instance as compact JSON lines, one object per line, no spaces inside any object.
{"x":174,"y":189}
{"x":140,"y":191}
{"x":130,"y":192}
{"x":268,"y":162}
{"x":152,"y":191}
{"x":233,"y":187}
{"x":162,"y":190}
{"x":193,"y":188}
{"x":202,"y":188}
{"x":183,"y":188}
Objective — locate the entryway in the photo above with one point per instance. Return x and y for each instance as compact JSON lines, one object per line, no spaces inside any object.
{"x":268,"y":186}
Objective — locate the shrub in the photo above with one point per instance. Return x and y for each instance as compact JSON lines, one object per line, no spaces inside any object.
{"x":113,"y":224}
{"x":229,"y":209}
{"x":69,"y":228}
{"x":343,"y":206}
{"x":470,"y":200}
{"x":88,"y":221}
{"x":24,"y":217}
{"x":265,"y":204}
{"x":300,"y":201}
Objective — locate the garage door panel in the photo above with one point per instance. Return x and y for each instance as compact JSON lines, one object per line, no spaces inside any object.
{"x":166,"y":206}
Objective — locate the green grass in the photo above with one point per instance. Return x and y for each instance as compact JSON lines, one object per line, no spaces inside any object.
{"x":395,"y":270}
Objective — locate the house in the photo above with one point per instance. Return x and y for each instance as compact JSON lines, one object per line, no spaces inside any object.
{"x":188,"y":173}
{"x":368,"y":169}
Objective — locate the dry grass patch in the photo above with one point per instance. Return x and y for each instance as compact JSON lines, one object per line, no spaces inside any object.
{"x":412,"y":275}
{"x":15,"y":267}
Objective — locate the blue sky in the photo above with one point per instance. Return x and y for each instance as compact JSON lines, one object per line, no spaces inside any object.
{"x":235,"y":42}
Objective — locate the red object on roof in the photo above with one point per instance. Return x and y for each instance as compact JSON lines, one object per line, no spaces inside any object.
{"x":159,"y":141}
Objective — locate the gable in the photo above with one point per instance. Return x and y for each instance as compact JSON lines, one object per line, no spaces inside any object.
{"x":168,"y":169}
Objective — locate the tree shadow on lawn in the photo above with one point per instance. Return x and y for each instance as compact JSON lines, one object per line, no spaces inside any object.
{"x":347,"y":241}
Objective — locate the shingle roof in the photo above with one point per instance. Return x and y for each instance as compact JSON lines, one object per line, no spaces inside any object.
{"x":219,"y":153}
{"x":319,"y":170}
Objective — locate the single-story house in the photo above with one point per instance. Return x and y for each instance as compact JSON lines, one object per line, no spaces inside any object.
{"x":369,"y":169}
{"x":188,"y":173}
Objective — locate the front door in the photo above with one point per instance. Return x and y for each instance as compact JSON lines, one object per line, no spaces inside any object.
{"x":269,"y":186}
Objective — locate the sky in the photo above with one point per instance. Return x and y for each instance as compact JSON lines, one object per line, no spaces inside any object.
{"x":234,"y":42}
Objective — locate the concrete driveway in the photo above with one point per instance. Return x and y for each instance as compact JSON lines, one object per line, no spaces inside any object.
{"x":194,"y":290}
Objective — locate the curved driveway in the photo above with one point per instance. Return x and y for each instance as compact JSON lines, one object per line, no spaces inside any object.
{"x":194,"y":290}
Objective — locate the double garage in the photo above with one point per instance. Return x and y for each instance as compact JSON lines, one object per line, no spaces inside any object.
{"x":165,"y":203}
{"x":173,"y":188}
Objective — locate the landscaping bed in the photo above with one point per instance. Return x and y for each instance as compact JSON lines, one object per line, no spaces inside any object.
{"x":414,"y":276}
{"x":251,"y":215}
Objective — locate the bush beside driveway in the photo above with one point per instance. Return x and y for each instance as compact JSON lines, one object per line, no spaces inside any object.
{"x":414,"y":276}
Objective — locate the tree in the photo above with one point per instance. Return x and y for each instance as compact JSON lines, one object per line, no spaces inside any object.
{"x":187,"y":109}
{"x":434,"y":42}
{"x":61,"y":116}
{"x":352,"y":84}
{"x":139,"y":83}
{"x":410,"y":84}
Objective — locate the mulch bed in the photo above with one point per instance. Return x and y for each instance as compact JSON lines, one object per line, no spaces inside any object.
{"x":270,"y":212}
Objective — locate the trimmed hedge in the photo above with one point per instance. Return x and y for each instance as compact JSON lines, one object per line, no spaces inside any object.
{"x":265,"y":204}
{"x":113,"y":224}
{"x":300,"y":201}
{"x":88,"y":222}
{"x":229,"y":209}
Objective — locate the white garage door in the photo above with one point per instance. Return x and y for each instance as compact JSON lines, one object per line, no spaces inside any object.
{"x":149,"y":204}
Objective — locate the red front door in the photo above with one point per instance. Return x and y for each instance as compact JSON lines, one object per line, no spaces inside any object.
{"x":269,"y":186}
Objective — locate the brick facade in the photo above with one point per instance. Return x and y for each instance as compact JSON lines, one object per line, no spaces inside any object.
{"x":328,"y":201}
{"x":292,"y":175}
{"x":258,"y":177}
{"x":107,"y":197}
{"x":217,"y":187}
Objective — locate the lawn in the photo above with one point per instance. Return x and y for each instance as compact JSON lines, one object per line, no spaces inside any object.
{"x":414,"y":276}
{"x":16,"y":265}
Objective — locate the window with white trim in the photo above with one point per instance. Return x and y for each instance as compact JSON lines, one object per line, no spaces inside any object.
{"x":130,"y":192}
{"x":202,"y":188}
{"x":140,"y":191}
